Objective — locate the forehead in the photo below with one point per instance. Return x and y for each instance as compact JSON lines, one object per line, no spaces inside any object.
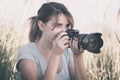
{"x":61,"y":18}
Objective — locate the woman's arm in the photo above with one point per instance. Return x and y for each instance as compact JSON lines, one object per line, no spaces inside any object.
{"x":80,"y":71}
{"x":28,"y":69}
{"x":52,"y":67}
{"x":59,"y":45}
{"x":77,"y":68}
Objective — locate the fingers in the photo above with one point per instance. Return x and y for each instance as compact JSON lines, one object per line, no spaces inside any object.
{"x":65,"y":41}
{"x":81,"y":49}
{"x":74,"y":43}
{"x":62,"y":40}
{"x":61,"y":35}
{"x":74,"y":46}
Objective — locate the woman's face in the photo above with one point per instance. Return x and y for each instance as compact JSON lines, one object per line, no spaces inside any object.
{"x":55,"y":26}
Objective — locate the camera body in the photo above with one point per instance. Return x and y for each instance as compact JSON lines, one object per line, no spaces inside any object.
{"x":91,"y":42}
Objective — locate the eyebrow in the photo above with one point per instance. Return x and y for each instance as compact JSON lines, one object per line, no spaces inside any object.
{"x":56,"y":24}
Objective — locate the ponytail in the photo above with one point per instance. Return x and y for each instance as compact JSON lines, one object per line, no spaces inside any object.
{"x":44,"y":14}
{"x":35,"y":33}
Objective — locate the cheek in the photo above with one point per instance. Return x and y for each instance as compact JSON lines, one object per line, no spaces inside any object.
{"x":53,"y":33}
{"x":56,"y":31}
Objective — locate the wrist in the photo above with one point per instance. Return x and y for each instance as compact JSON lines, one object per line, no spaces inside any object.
{"x":55,"y":57}
{"x":56,"y":53}
{"x":77,"y":55}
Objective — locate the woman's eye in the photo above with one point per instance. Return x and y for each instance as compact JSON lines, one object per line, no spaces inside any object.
{"x":68,"y":26}
{"x":57,"y":24}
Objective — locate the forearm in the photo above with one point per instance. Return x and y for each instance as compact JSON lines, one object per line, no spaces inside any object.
{"x":52,"y":68}
{"x":80,"y":71}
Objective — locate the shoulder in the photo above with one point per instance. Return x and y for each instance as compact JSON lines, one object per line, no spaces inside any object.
{"x":26,"y":46}
{"x":26,"y":52}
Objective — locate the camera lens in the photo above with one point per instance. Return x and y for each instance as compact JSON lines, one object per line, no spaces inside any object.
{"x":92,"y":42}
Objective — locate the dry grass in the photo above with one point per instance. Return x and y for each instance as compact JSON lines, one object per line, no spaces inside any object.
{"x":9,"y":44}
{"x":106,"y":65}
{"x":103,"y":66}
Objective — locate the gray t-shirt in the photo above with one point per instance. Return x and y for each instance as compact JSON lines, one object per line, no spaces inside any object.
{"x":30,"y":51}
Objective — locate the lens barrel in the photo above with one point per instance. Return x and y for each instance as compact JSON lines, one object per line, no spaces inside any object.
{"x":91,"y":42}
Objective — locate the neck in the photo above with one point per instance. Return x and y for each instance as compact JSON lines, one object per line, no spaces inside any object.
{"x":44,"y":45}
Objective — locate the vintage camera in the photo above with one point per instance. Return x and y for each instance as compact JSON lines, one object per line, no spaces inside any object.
{"x":91,"y":42}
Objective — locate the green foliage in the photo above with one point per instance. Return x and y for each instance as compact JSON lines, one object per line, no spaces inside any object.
{"x":8,"y":49}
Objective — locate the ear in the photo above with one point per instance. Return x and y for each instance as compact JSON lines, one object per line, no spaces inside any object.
{"x":41,"y":25}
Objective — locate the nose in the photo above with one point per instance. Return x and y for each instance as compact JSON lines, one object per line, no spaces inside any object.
{"x":64,"y":28}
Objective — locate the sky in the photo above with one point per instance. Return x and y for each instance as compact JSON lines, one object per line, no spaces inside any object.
{"x":89,"y":15}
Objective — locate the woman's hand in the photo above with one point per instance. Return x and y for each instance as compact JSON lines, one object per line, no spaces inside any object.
{"x":74,"y":47}
{"x":60,"y":43}
{"x":78,"y":70}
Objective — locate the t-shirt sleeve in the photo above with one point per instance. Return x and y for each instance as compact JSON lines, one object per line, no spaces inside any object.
{"x":69,"y":55}
{"x":24,"y":52}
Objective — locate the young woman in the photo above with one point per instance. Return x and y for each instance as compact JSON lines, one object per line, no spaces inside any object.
{"x":48,"y":56}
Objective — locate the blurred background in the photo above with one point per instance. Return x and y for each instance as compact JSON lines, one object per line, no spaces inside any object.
{"x":89,"y":15}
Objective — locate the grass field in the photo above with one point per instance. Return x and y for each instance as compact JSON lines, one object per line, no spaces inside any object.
{"x":106,"y":65}
{"x":9,"y":44}
{"x":103,"y":66}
